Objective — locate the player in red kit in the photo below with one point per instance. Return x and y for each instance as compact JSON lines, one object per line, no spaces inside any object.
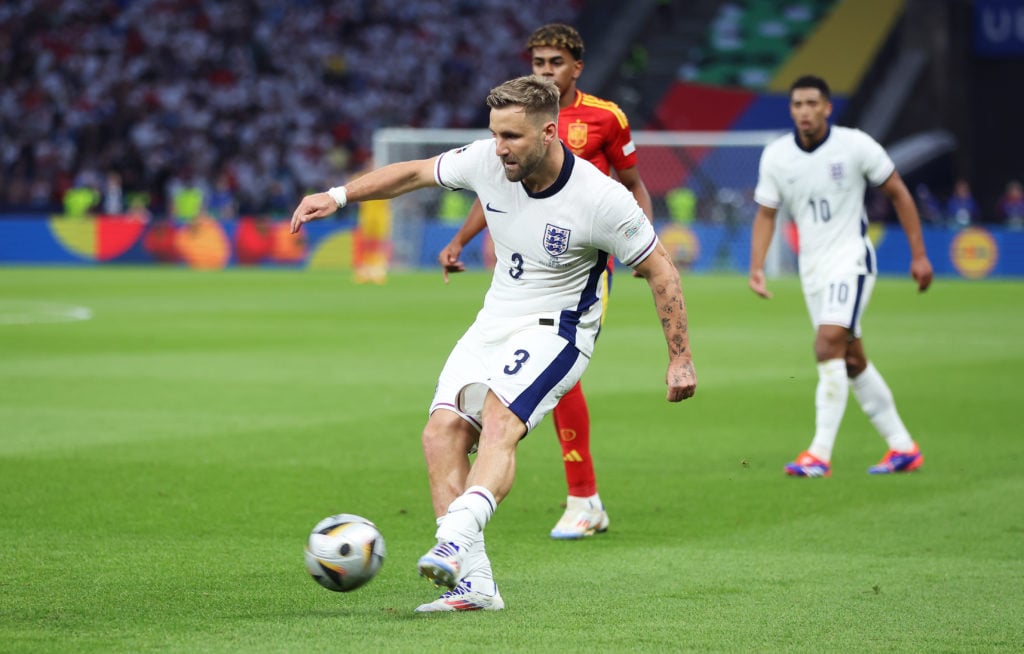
{"x":598,"y":131}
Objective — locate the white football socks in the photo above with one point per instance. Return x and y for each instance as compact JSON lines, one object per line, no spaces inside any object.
{"x":476,"y":567}
{"x":464,"y":525}
{"x":830,"y":404}
{"x":580,"y":503}
{"x":878,"y":404}
{"x":467,"y":516}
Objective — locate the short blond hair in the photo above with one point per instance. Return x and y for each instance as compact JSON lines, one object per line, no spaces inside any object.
{"x":536,"y":95}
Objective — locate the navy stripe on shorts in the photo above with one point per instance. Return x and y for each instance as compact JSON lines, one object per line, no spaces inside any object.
{"x":524,"y":405}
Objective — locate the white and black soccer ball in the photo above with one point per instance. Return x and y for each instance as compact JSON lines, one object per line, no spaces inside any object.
{"x":344,"y":552}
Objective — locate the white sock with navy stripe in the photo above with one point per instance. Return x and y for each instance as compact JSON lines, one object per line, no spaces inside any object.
{"x":467,"y":516}
{"x":476,"y":567}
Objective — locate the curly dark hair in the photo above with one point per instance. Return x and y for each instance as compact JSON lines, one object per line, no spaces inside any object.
{"x":557,"y":35}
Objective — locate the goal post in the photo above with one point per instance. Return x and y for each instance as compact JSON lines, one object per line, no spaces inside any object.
{"x":701,"y":186}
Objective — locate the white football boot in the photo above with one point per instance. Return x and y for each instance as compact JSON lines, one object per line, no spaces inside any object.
{"x":464,"y":598}
{"x":583,"y":517}
{"x":442,"y":564}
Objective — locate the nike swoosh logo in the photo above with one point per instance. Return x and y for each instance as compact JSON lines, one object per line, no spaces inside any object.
{"x":490,"y":208}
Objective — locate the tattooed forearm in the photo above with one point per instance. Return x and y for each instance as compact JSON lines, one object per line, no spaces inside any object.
{"x":663,"y":279}
{"x":677,"y":346}
{"x":674,"y":322}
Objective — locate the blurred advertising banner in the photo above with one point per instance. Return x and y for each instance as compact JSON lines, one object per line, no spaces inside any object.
{"x":999,"y":28}
{"x":699,"y":246}
{"x":204,"y":243}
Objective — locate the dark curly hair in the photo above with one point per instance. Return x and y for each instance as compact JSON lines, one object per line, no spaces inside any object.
{"x":557,"y":35}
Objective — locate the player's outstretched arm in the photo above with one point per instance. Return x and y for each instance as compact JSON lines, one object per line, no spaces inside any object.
{"x":449,"y":255}
{"x":760,"y":238}
{"x":663,"y":278}
{"x":380,"y":184}
{"x":906,"y":211}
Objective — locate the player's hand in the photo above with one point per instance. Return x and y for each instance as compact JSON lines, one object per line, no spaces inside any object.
{"x":449,"y":260}
{"x":312,"y":207}
{"x":921,"y":271}
{"x":758,"y":284}
{"x":681,"y":379}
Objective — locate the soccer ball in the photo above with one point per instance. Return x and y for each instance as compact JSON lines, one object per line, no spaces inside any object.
{"x":344,"y":552}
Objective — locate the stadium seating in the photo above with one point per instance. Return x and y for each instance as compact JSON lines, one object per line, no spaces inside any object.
{"x":269,"y":95}
{"x":749,"y":39}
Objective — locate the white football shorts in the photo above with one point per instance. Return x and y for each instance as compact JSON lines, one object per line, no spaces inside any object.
{"x":841,"y":301}
{"x":527,"y":365}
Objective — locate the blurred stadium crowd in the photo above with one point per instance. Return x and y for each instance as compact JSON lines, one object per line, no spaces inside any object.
{"x":252,"y":102}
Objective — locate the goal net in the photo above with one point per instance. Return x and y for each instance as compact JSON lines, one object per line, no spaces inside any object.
{"x":701,"y":186}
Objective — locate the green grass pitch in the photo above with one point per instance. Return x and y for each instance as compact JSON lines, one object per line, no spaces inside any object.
{"x":162,"y":462}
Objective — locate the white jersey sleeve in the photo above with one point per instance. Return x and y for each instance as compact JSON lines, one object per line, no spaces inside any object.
{"x":619,"y":228}
{"x":767,"y":191}
{"x":454,"y":169}
{"x":878,"y":166}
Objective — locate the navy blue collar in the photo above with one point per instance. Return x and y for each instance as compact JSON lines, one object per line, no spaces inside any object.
{"x":799,"y":143}
{"x":563,"y":176}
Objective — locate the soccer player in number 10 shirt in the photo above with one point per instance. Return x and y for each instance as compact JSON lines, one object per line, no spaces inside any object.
{"x":818,"y":175}
{"x":598,"y":131}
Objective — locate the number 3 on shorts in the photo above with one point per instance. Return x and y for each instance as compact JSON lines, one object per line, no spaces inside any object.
{"x":521,"y":357}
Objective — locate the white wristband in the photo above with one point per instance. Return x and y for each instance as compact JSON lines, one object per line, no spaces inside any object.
{"x":339,"y":195}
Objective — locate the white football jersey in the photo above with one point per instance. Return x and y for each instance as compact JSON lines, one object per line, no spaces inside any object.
{"x":551,"y":247}
{"x":823,"y":190}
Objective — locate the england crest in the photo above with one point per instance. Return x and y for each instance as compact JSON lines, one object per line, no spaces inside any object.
{"x":556,"y":240}
{"x":835,"y":171}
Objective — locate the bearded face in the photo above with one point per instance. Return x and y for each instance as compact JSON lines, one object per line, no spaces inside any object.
{"x":519,"y":142}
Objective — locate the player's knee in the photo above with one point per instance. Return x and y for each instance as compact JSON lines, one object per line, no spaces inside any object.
{"x":501,"y":431}
{"x":830,"y":344}
{"x":855,"y":364}
{"x":430,"y":446}
{"x":826,"y":350}
{"x":431,"y":437}
{"x":443,"y":434}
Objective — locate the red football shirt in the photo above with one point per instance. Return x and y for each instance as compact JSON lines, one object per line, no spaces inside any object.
{"x":597,"y":131}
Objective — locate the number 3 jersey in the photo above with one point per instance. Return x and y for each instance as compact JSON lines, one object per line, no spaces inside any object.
{"x":553,"y":246}
{"x":823,"y":191}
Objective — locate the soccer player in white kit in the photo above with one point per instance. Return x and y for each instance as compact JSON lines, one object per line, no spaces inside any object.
{"x":555,"y":221}
{"x":818,"y":175}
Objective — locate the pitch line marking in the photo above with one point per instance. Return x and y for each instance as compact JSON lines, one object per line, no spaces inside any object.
{"x":28,"y":312}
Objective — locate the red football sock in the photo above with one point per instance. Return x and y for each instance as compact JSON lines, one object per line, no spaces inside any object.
{"x":572,"y":422}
